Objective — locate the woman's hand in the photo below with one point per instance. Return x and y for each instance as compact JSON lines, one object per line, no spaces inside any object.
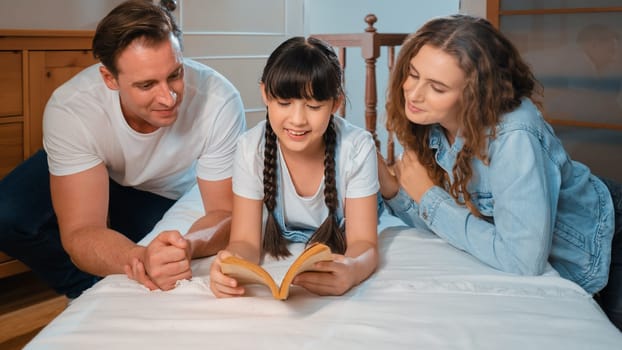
{"x":331,"y":278}
{"x":389,"y":185}
{"x":412,"y":176}
{"x":222,"y":285}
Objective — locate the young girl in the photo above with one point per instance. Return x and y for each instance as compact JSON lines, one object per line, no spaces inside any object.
{"x":309,"y":170}
{"x":484,"y":171}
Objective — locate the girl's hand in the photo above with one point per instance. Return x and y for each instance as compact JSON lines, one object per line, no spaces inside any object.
{"x":412,"y":176}
{"x":332,"y":278}
{"x":389,"y":185}
{"x":222,"y":285}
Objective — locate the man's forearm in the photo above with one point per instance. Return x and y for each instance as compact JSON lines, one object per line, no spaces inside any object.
{"x":209,"y":234}
{"x":100,"y":251}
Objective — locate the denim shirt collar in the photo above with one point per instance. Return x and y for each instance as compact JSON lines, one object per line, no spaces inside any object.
{"x":445,"y":154}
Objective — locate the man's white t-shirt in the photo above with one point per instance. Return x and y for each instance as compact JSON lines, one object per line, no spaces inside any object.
{"x":356,"y":175}
{"x":83,"y":126}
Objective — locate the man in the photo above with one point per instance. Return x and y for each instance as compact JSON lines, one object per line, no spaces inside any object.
{"x":124,"y":140}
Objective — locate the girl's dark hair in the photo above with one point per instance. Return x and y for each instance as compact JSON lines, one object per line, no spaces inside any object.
{"x":497,"y":78}
{"x":131,"y":20}
{"x":302,"y":69}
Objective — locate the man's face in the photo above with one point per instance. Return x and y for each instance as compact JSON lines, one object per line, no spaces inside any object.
{"x":150,"y":82}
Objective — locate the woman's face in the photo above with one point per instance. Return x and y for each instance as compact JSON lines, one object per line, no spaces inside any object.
{"x":433,"y":89}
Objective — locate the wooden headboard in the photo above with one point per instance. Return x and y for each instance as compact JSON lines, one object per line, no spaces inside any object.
{"x":371,"y":43}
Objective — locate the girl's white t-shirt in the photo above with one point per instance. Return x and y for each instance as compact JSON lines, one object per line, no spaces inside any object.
{"x":356,"y":174}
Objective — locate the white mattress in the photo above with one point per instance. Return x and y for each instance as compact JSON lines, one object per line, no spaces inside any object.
{"x":424,"y":295}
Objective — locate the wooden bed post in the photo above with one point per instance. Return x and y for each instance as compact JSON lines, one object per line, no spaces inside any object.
{"x":370,"y":42}
{"x":390,"y":141}
{"x":342,"y":63}
{"x":370,"y":50}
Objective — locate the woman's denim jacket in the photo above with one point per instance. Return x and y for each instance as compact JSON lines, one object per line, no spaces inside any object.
{"x":537,"y":204}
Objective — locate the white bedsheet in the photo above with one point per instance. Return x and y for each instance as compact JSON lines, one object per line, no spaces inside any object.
{"x":424,"y":295}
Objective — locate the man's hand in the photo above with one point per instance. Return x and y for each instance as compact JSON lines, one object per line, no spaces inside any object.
{"x":165,"y":261}
{"x":136,"y":271}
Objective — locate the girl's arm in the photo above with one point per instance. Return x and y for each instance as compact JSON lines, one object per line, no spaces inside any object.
{"x":245,"y":238}
{"x":245,"y":241}
{"x":362,"y":235}
{"x":361,"y":257}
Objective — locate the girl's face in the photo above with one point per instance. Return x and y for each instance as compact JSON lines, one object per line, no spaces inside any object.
{"x":433,"y":89}
{"x":299,"y":124}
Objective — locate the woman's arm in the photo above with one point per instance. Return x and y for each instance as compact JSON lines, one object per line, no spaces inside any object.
{"x":518,"y":238}
{"x":397,"y":201}
{"x":389,"y":185}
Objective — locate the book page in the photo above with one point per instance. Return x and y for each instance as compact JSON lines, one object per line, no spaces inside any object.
{"x":246,"y":272}
{"x":304,"y":262}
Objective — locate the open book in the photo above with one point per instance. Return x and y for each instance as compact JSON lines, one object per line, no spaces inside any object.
{"x":246,"y":272}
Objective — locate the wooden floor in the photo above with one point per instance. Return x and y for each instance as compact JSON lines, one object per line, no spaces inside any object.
{"x":26,"y":306}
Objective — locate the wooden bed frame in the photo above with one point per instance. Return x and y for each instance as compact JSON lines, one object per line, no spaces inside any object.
{"x":371,"y":44}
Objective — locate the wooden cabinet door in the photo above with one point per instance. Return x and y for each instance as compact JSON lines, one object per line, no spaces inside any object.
{"x":11,"y":145}
{"x":10,"y":83}
{"x":11,"y":111}
{"x":47,"y":71}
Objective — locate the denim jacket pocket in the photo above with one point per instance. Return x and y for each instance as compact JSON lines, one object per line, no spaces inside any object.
{"x":570,"y":255}
{"x":569,"y":234}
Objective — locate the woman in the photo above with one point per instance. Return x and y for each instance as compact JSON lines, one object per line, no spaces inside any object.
{"x":483,"y":170}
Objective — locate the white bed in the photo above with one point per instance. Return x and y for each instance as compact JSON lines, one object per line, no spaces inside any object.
{"x":424,"y":295}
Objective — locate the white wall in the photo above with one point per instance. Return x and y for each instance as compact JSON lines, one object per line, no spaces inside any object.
{"x":53,"y":14}
{"x":235,"y":37}
{"x":473,"y":7}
